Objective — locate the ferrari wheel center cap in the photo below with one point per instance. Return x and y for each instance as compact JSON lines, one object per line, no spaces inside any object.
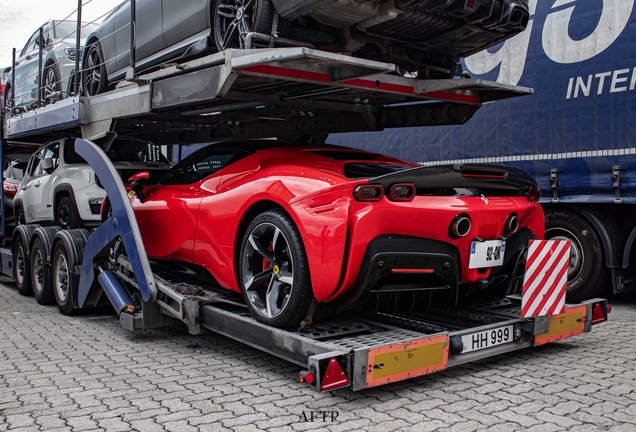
{"x":239,"y":13}
{"x":276,"y":270}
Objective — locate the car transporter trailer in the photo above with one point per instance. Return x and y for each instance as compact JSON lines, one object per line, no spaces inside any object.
{"x":287,"y":93}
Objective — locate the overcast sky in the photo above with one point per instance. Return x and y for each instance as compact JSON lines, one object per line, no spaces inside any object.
{"x":19,"y":19}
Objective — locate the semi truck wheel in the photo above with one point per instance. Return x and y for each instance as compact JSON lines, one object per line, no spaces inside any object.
{"x":65,"y":281}
{"x":21,"y":270}
{"x":41,"y":274}
{"x":587,"y":274}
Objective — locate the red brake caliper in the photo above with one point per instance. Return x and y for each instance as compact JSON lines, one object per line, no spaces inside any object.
{"x":266,"y":264}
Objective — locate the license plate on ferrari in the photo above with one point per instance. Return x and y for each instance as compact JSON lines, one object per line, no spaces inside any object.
{"x":487,"y":338}
{"x":486,"y":253}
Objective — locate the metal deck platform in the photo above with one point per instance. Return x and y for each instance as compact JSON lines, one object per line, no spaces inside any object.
{"x":279,"y":92}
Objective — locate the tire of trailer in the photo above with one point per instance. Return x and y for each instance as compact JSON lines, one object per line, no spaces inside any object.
{"x":65,"y":281}
{"x":66,"y":214}
{"x":587,"y":274}
{"x":21,"y":268}
{"x":94,"y":76}
{"x":285,"y":262}
{"x":41,"y":277}
{"x":259,"y":20}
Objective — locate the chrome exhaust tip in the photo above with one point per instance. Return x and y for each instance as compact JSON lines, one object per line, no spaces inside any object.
{"x":459,"y":227}
{"x":512,"y":224}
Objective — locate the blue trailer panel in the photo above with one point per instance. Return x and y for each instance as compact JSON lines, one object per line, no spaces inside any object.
{"x":576,"y":134}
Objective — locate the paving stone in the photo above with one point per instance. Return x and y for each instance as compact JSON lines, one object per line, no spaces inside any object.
{"x":87,"y":373}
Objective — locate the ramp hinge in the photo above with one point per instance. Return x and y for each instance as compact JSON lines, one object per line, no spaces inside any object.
{"x":616,"y":183}
{"x":554,"y":184}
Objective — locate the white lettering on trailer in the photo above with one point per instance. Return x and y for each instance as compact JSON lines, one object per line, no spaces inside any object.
{"x":561,"y":48}
{"x":583,"y":85}
{"x":511,"y":56}
{"x":557,"y":43}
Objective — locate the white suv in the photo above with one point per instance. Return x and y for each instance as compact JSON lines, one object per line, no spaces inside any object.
{"x":60,"y":188}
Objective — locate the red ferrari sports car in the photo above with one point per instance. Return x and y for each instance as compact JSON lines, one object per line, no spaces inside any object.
{"x":297,"y":229}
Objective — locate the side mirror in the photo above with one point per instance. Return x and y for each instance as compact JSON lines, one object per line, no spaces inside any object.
{"x":138,"y":187}
{"x":47,"y":165}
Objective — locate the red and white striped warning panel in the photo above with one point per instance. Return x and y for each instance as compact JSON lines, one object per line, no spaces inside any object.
{"x":546,"y":278}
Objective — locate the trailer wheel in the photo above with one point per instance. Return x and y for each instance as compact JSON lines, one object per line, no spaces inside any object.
{"x":94,"y":76}
{"x":65,"y":281}
{"x":587,"y":274}
{"x":274,"y":273}
{"x":234,"y":19}
{"x":21,"y":271}
{"x":67,"y":216}
{"x":41,"y":274}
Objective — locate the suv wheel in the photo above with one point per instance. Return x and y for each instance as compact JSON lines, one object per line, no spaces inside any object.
{"x":66,"y":214}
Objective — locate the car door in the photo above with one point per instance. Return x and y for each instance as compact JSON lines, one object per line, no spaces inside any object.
{"x":43,"y":209}
{"x":184,"y":19}
{"x":26,"y":72}
{"x":149,"y":39}
{"x":28,"y":192}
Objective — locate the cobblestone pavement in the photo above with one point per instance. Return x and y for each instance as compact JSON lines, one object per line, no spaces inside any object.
{"x":87,"y":373}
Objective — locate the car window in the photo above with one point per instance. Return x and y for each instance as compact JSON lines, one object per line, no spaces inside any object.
{"x":50,"y":151}
{"x":135,"y":151}
{"x":71,"y":157}
{"x":45,"y":34}
{"x":18,"y":170}
{"x":30,"y":45}
{"x":34,"y":164}
{"x":65,"y":29}
{"x":199,"y":165}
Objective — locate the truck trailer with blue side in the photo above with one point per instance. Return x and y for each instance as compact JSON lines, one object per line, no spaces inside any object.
{"x":576,"y":134}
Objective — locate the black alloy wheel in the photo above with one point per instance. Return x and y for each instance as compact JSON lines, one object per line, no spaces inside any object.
{"x":274,"y":273}
{"x":95,"y":80}
{"x":234,"y":19}
{"x":19,"y":217}
{"x":67,"y":216}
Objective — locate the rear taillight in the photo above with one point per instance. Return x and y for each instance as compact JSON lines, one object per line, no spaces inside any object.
{"x":9,"y":188}
{"x":1,"y":89}
{"x":532,"y":193}
{"x":368,"y":193}
{"x":402,"y":192}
